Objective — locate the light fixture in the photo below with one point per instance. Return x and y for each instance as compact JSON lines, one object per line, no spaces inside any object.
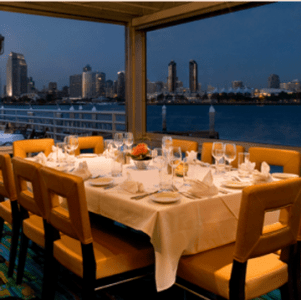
{"x":1,"y":44}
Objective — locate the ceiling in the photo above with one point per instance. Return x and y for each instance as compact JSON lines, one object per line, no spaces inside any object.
{"x":142,"y":15}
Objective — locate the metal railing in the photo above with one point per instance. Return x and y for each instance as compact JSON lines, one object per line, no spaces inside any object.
{"x":59,"y":123}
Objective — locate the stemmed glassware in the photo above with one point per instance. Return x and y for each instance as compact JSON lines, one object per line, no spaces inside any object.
{"x":71,"y":143}
{"x":60,"y":153}
{"x":118,"y":139}
{"x":174,"y":159}
{"x":217,"y":153}
{"x":128,"y":139}
{"x":229,"y":153}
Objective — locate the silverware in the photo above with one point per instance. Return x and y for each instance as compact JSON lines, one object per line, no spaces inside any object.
{"x":187,"y":195}
{"x":143,"y":196}
{"x":110,"y":186}
{"x":223,"y":191}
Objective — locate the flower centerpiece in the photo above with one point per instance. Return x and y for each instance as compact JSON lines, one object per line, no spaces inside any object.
{"x":141,"y":156}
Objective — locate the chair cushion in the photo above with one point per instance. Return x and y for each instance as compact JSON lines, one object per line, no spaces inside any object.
{"x":114,"y":252}
{"x":5,"y":211}
{"x":33,"y":228}
{"x":211,"y":270}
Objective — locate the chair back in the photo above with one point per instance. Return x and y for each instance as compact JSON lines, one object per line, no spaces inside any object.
{"x":75,"y":221}
{"x":23,"y":147}
{"x":7,"y":182}
{"x":288,"y":159}
{"x":90,"y":142}
{"x":28,"y":185}
{"x":185,"y":145}
{"x":252,"y":240}
{"x":206,"y":154}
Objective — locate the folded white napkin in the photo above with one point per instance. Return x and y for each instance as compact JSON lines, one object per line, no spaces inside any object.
{"x":82,"y":171}
{"x":40,"y":158}
{"x":264,"y":175}
{"x":247,"y":166}
{"x":191,"y":156}
{"x":203,"y":188}
{"x":57,"y":153}
{"x":132,"y":186}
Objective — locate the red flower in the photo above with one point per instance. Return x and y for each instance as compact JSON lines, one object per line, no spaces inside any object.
{"x":140,"y":151}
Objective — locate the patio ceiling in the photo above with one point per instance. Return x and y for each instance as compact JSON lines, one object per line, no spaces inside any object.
{"x":141,"y":15}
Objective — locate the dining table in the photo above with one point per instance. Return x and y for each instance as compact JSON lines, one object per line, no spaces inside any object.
{"x":183,"y":226}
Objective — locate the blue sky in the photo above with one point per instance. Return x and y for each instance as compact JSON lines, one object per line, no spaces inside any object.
{"x":248,"y":45}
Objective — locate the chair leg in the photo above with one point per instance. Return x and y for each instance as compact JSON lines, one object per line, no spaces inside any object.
{"x":89,"y":272}
{"x":22,"y":257}
{"x":13,"y":246}
{"x":2,"y":260}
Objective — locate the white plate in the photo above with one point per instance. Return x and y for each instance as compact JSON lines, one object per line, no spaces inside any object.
{"x":165,"y":197}
{"x":101,"y":181}
{"x":235,"y":184}
{"x":87,"y":155}
{"x":284,"y":175}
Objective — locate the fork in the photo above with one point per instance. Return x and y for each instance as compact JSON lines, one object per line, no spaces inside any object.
{"x":143,"y":196}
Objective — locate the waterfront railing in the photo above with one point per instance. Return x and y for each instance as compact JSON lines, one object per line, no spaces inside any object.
{"x":57,"y":123}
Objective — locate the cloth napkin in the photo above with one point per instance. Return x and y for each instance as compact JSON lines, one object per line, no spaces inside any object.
{"x":191,"y":156}
{"x":40,"y":158}
{"x":82,"y":171}
{"x":58,"y":153}
{"x":203,"y":188}
{"x":264,"y":174}
{"x":247,"y":166}
{"x":132,"y":186}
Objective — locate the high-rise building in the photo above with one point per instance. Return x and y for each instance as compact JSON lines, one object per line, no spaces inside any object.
{"x":16,"y":75}
{"x":172,"y":77}
{"x":237,"y":84}
{"x":121,"y":85}
{"x":52,"y":87}
{"x":273,"y":81}
{"x":31,"y":85}
{"x":88,"y":82}
{"x":76,"y":86}
{"x":100,"y":84}
{"x":193,"y":76}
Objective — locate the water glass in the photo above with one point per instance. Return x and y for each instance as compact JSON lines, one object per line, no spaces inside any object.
{"x":71,"y":143}
{"x":218,"y":153}
{"x":243,"y":158}
{"x":128,"y":139}
{"x":117,"y":162}
{"x":118,"y":139}
{"x":159,"y":162}
{"x":174,"y":159}
{"x":60,"y":153}
{"x":166,"y":141}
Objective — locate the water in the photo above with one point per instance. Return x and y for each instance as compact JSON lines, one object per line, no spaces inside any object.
{"x":272,"y":124}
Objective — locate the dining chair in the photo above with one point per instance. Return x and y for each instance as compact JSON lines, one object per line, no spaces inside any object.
{"x":90,"y":252}
{"x":185,"y":145}
{"x":206,"y":154}
{"x":90,"y":142}
{"x":32,"y":211}
{"x":23,"y":148}
{"x":9,"y":211}
{"x":288,"y":159}
{"x":250,"y":267}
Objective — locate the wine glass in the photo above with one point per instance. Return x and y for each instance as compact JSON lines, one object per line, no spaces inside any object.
{"x":174,"y":159}
{"x":217,"y":152}
{"x":118,"y":139}
{"x":128,"y":139}
{"x":60,"y":153}
{"x":229,"y":153}
{"x":71,"y":142}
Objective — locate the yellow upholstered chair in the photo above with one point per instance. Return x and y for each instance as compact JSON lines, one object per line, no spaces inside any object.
{"x":288,"y":159}
{"x":24,"y":147}
{"x":185,"y":145}
{"x":29,"y":196}
{"x":249,"y":267}
{"x":90,"y":142}
{"x":89,"y":252}
{"x":206,"y":155}
{"x":9,"y":211}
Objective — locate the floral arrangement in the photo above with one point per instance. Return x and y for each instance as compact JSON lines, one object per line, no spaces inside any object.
{"x":140,"y":152}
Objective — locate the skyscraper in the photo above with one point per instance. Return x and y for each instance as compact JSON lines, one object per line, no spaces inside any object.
{"x":193,"y":76}
{"x":100,"y":84}
{"x":76,"y":86}
{"x":273,"y":81}
{"x":89,"y":82}
{"x":172,"y":76}
{"x":16,"y":75}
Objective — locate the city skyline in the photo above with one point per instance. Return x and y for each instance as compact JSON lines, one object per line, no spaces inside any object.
{"x":247,"y":46}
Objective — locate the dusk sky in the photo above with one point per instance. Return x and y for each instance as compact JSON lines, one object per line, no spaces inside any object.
{"x":248,"y":46}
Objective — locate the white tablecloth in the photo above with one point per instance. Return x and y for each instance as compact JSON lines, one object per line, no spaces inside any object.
{"x":181,"y":228}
